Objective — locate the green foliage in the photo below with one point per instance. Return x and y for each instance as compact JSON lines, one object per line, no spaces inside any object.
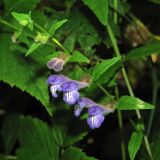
{"x":24,"y":73}
{"x":155,"y":1}
{"x":144,"y":51}
{"x":100,"y":9}
{"x":9,"y":131}
{"x":33,"y":47}
{"x":78,"y":57}
{"x":134,"y":144}
{"x":36,"y":141}
{"x":132,"y":103}
{"x":56,"y":25}
{"x":19,"y":5}
{"x":104,"y":66}
{"x":75,"y":152}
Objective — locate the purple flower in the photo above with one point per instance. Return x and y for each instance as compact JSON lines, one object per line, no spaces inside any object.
{"x":81,"y":103}
{"x":96,"y":116}
{"x":56,"y":64}
{"x":70,"y":89}
{"x":55,"y":82}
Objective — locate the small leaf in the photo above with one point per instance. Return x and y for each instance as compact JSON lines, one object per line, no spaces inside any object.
{"x":100,"y":9}
{"x":22,"y":18}
{"x":132,"y":103}
{"x":104,"y":66}
{"x":78,"y":57}
{"x":33,"y":47}
{"x":71,"y":152}
{"x":134,"y":144}
{"x":143,"y":51}
{"x":56,"y":26}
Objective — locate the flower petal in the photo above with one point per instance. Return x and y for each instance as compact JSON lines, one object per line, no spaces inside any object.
{"x":57,"y":79}
{"x":95,"y":121}
{"x":71,"y":97}
{"x":69,"y":86}
{"x":86,"y":102}
{"x":56,"y":64}
{"x":96,"y":110}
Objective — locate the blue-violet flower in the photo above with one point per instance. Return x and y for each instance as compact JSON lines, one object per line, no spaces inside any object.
{"x":55,"y":82}
{"x":70,"y":89}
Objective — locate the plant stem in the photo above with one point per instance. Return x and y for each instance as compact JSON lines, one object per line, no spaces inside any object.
{"x":8,"y":24}
{"x":119,"y":113}
{"x":39,"y":27}
{"x":117,"y":52}
{"x":120,"y":123}
{"x":154,"y":98}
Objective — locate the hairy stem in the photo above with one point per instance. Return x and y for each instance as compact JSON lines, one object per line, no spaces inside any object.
{"x":117,"y":52}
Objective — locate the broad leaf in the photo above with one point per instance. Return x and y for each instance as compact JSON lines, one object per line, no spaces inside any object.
{"x":36,"y":141}
{"x":134,"y":144}
{"x":100,"y":9}
{"x":75,"y":153}
{"x":9,"y":131}
{"x":143,"y":51}
{"x":24,"y":73}
{"x":104,"y":66}
{"x":132,"y":103}
{"x":78,"y":57}
{"x":33,"y":47}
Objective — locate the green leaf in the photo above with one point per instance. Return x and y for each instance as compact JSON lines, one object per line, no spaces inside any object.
{"x":100,"y":9}
{"x":36,"y":141}
{"x":132,"y":103}
{"x":22,"y":18}
{"x":75,"y":153}
{"x":19,"y":5}
{"x":25,"y":73}
{"x":33,"y":47}
{"x":143,"y":51}
{"x":9,"y":131}
{"x":134,"y":144}
{"x":104,"y":66}
{"x":56,"y":26}
{"x":78,"y":57}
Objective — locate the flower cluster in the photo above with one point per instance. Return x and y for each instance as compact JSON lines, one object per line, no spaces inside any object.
{"x":71,"y":96}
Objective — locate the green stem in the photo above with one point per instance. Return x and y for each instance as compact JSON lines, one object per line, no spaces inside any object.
{"x":39,"y":27}
{"x":60,"y":46}
{"x":8,"y":24}
{"x":154,"y":98}
{"x":120,"y":123}
{"x":119,"y":113}
{"x":116,"y":49}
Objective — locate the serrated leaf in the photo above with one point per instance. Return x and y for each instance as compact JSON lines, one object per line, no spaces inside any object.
{"x":77,"y":153}
{"x":36,"y":141}
{"x":100,"y":9}
{"x":104,"y":66}
{"x":144,"y":51}
{"x":132,"y":103}
{"x":24,"y":73}
{"x":33,"y":47}
{"x":134,"y":144}
{"x":78,"y":57}
{"x":56,"y":26}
